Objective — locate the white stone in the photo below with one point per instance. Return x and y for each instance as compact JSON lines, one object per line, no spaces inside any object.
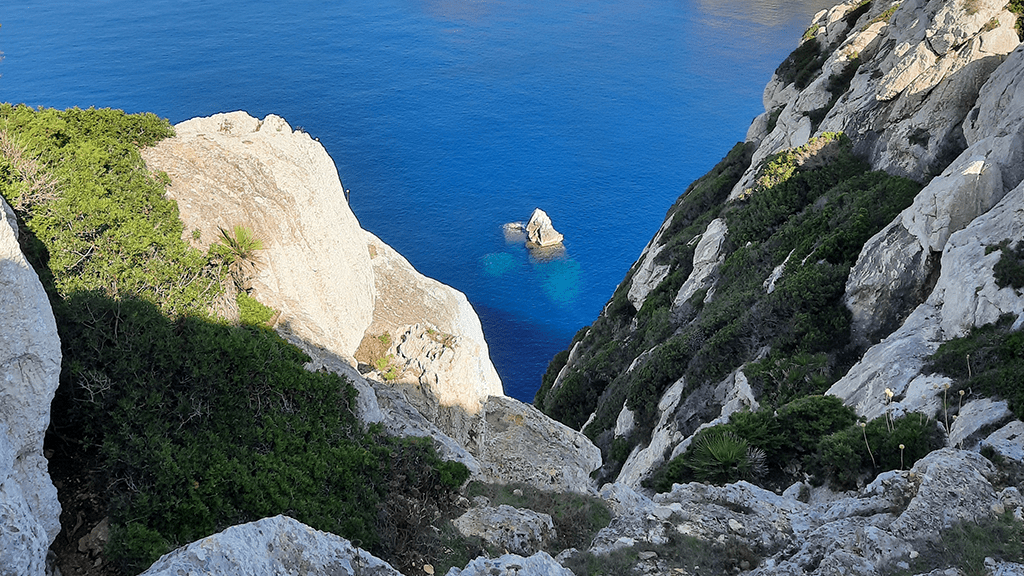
{"x":1008,"y":441}
{"x":625,"y":423}
{"x":539,"y":564}
{"x":278,"y":546}
{"x":506,"y":528}
{"x":975,"y":419}
{"x":30,"y":359}
{"x":642,"y":460}
{"x":706,"y":258}
{"x":648,"y":272}
{"x":540,"y":231}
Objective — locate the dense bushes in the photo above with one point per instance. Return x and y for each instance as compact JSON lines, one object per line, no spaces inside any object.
{"x":188,"y":424}
{"x":987,"y":361}
{"x":809,"y":212}
{"x":1009,"y":270}
{"x":877,"y":446}
{"x":803,"y":64}
{"x":815,"y":434}
{"x":787,"y":440}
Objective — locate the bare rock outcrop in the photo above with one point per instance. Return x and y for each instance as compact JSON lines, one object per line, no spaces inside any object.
{"x":507,"y":528}
{"x":435,"y":337}
{"x":649,"y":273}
{"x":30,"y":358}
{"x":518,"y":443}
{"x":540,"y":231}
{"x":706,"y":258}
{"x":965,"y":295}
{"x":334,"y":284}
{"x":860,"y":532}
{"x":539,"y":564}
{"x":914,"y":74}
{"x":232,"y":169}
{"x":276,"y":546}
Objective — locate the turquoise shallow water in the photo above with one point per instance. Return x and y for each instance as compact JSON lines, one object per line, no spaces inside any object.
{"x":449,"y":118}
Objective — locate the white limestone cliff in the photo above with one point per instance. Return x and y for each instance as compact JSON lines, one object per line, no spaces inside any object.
{"x":30,"y":359}
{"x":333,"y":283}
{"x":340,"y":289}
{"x":937,"y":96}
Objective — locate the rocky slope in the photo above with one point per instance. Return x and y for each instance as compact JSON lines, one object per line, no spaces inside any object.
{"x":925,"y":90}
{"x":805,"y":263}
{"x":356,"y":305}
{"x":738,"y":304}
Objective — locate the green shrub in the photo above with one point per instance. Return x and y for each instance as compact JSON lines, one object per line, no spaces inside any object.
{"x":884,"y":16}
{"x":803,"y":64}
{"x":135,"y":547}
{"x":816,"y":205}
{"x":194,"y":425}
{"x":108,"y":226}
{"x":680,"y":554}
{"x":1009,"y":271}
{"x":966,"y":546}
{"x":252,"y":311}
{"x":722,"y":457}
{"x":1017,"y":7}
{"x":804,"y":422}
{"x":844,"y":456}
{"x":989,"y":360}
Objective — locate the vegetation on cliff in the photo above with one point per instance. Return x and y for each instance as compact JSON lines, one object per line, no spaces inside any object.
{"x":809,"y":212}
{"x":186,"y":424}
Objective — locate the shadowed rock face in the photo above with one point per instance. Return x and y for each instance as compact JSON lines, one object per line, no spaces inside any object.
{"x":30,"y":359}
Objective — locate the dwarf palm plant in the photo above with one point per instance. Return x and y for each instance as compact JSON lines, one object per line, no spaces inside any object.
{"x":721,"y":457}
{"x":238,"y":252}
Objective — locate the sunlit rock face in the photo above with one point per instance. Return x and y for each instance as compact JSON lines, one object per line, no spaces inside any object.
{"x":333,"y":283}
{"x":30,"y":358}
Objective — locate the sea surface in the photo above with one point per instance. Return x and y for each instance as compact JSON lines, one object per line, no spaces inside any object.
{"x":449,"y":118}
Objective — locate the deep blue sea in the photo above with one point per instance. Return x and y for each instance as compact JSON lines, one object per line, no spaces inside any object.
{"x":449,"y":118}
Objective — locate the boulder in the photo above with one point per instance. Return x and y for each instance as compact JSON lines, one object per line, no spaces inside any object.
{"x":952,"y":486}
{"x":976,"y":420}
{"x":1008,"y":441}
{"x":506,"y":528}
{"x":539,"y":230}
{"x":518,"y":443}
{"x":539,"y":564}
{"x":278,"y":546}
{"x":30,"y":358}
